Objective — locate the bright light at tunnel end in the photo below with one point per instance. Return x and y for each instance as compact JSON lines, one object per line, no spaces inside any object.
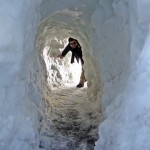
{"x":61,"y":70}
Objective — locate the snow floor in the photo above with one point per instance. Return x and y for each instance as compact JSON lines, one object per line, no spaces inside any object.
{"x":69,"y":124}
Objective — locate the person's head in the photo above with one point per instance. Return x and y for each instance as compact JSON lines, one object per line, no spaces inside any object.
{"x":73,"y":42}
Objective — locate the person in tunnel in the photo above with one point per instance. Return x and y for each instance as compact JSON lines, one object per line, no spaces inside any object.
{"x":76,"y":50}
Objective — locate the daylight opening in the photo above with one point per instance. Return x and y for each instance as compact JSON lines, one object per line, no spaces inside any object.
{"x":60,"y":72}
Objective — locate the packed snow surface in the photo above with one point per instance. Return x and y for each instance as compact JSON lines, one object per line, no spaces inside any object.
{"x":39,"y":103}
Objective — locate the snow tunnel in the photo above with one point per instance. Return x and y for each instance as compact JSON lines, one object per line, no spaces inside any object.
{"x":40,"y":106}
{"x":71,"y":114}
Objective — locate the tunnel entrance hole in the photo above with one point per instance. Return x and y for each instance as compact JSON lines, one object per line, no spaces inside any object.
{"x":60,"y":72}
{"x":70,"y":116}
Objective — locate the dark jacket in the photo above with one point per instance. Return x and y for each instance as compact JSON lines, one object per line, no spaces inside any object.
{"x":76,"y":53}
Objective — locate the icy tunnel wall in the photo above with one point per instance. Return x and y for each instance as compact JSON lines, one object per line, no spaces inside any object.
{"x":117,"y":33}
{"x":18,"y":26}
{"x":126,"y":126}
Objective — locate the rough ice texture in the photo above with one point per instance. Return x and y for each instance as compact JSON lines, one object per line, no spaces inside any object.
{"x":115,"y":35}
{"x":17,"y":113}
{"x":126,"y":123}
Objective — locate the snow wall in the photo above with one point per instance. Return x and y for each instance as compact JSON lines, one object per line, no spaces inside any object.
{"x":118,"y":33}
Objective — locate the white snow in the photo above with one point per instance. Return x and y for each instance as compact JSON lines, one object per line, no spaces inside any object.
{"x":115,"y":38}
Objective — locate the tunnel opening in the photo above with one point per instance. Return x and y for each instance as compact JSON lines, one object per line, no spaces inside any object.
{"x":70,"y":116}
{"x":60,"y":72}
